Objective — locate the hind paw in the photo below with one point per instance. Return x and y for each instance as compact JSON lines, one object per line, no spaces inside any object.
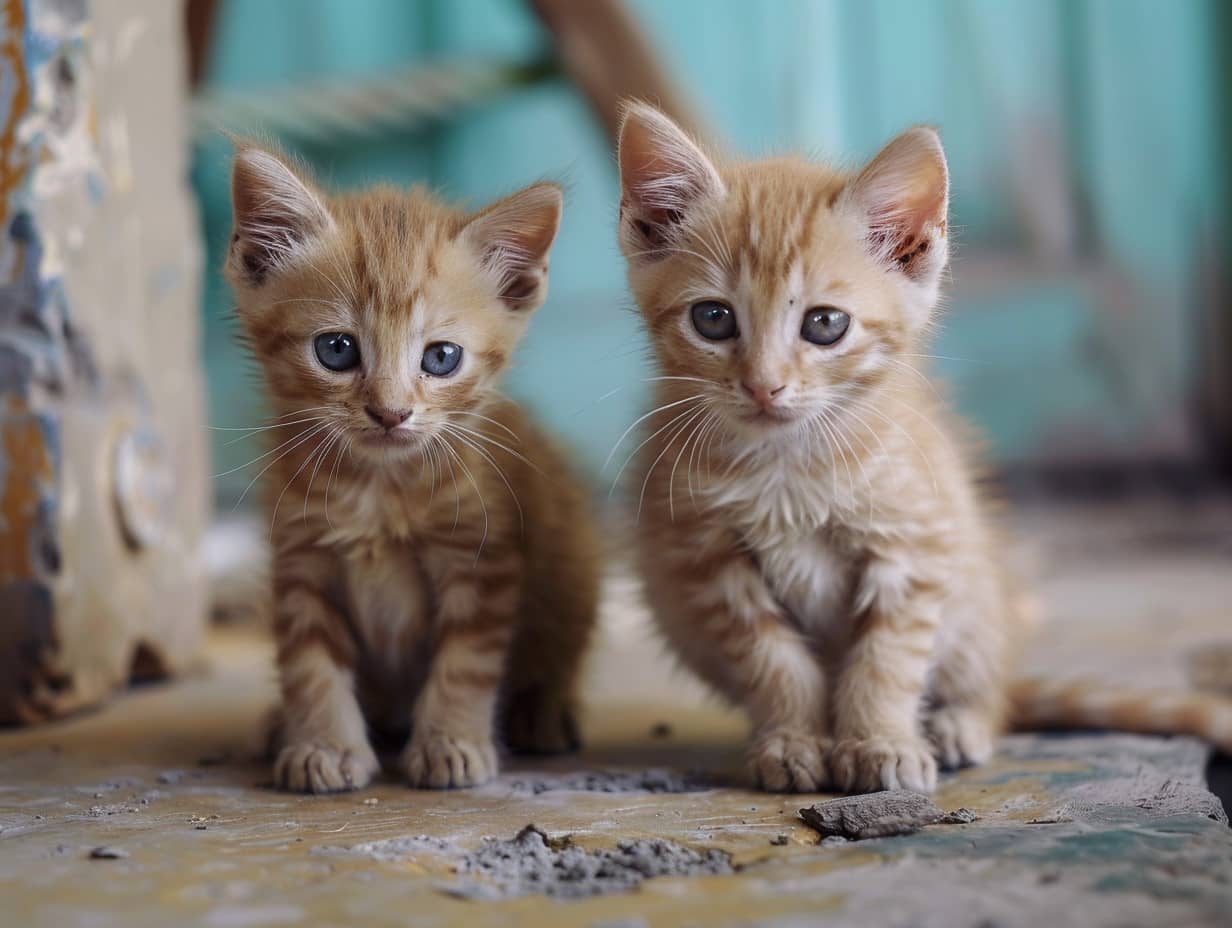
{"x":960,"y":737}
{"x":536,"y":724}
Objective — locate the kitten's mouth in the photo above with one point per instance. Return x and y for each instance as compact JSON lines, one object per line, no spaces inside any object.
{"x":771,"y":416}
{"x":380,"y":438}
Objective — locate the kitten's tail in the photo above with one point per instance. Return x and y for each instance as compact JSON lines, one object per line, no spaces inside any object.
{"x":1046,"y":704}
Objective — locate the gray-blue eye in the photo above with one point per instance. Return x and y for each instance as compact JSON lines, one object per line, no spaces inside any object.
{"x":337,"y":350}
{"x":714,"y":320}
{"x":824,"y":325}
{"x":441,"y":359}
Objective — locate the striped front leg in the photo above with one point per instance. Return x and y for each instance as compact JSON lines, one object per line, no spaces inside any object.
{"x":714,"y":606}
{"x":324,"y":742}
{"x":452,"y":726}
{"x":879,"y":691}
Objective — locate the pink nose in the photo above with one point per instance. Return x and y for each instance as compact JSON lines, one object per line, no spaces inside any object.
{"x":762,"y":394}
{"x":388,"y":418}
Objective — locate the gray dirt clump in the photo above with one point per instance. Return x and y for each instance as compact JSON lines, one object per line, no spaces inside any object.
{"x":395,"y":849}
{"x":617,"y":781}
{"x":533,"y":863}
{"x":874,"y":815}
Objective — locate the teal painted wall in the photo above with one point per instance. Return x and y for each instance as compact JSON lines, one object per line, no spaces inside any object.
{"x":1084,"y":141}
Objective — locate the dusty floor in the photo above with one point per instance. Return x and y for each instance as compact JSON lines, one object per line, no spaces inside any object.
{"x":164,"y":790}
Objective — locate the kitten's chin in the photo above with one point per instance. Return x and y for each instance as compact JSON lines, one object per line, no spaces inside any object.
{"x":381,"y":445}
{"x":766,"y":422}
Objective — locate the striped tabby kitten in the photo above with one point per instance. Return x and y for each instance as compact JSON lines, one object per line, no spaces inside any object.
{"x":811,"y":538}
{"x":434,"y":563}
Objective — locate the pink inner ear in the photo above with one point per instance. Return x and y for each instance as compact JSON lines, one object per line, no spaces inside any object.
{"x":662,"y":174}
{"x":904,"y":192}
{"x":514,"y":236}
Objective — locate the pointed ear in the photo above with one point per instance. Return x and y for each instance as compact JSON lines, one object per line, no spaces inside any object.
{"x":663,"y":174}
{"x":903,"y":195}
{"x":513,"y":237}
{"x":276,"y":214}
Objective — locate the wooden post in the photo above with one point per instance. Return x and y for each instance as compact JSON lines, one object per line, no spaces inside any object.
{"x":103,"y":487}
{"x":606,"y":53}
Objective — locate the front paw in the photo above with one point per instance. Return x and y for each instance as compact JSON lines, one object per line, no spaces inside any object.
{"x":439,"y":760}
{"x":865,"y":765}
{"x":961,"y":737}
{"x":790,"y":761}
{"x":318,"y":767}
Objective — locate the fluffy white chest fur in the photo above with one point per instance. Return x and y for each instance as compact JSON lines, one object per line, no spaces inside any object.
{"x":786,"y":516}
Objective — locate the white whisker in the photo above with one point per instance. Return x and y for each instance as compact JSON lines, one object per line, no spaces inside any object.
{"x":639,"y":421}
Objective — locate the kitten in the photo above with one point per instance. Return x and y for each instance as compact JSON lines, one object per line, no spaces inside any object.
{"x":811,"y":538}
{"x":434,"y":564}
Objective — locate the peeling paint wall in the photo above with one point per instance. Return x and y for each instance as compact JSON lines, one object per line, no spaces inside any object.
{"x":102,"y":458}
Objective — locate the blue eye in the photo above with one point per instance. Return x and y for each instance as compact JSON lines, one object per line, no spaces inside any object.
{"x":714,"y":320}
{"x":441,"y":358}
{"x":824,"y":325}
{"x":337,"y":350}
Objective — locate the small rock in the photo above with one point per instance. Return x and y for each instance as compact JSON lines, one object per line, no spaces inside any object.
{"x":873,"y":815}
{"x":371,"y":801}
{"x":963,"y":816}
{"x":661,"y":730}
{"x":106,"y":852}
{"x":779,"y":840}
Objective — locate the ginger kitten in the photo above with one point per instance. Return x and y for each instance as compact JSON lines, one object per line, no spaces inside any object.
{"x":434,"y":563}
{"x":811,"y":538}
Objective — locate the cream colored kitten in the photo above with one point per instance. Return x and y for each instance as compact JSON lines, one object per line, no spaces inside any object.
{"x":434,"y":567}
{"x":811,"y":538}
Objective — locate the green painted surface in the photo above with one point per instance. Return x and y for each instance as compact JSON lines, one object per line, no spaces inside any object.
{"x":1087,"y":348}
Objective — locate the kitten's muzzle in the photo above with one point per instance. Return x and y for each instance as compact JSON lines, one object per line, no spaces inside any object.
{"x":388,"y":419}
{"x":762,"y":393}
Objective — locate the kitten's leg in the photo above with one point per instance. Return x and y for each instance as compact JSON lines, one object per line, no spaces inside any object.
{"x":557,"y":617}
{"x":967,"y":688}
{"x":880,"y":688}
{"x":540,"y":712}
{"x":715,"y":608}
{"x":324,"y":743}
{"x":451,"y":741}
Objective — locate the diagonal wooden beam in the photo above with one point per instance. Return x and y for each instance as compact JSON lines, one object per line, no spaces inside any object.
{"x":606,"y":53}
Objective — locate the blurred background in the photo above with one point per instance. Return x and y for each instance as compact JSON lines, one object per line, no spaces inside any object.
{"x":1087,"y":333}
{"x":1088,"y":329}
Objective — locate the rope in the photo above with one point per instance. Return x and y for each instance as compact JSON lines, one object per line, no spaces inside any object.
{"x":402,"y":102}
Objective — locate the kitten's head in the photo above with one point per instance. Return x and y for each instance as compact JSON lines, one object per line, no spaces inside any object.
{"x":788,"y":289}
{"x":387,"y":313}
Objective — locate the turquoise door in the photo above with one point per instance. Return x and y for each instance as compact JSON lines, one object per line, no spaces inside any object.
{"x":1084,"y":141}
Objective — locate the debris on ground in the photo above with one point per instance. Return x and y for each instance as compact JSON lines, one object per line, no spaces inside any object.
{"x":872,"y":815}
{"x":106,"y":852}
{"x":779,"y":840}
{"x":533,"y":862}
{"x":660,"y":730}
{"x":963,"y":816}
{"x":654,"y":780}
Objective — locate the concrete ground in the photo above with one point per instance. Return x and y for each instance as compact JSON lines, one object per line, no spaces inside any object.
{"x":155,"y":810}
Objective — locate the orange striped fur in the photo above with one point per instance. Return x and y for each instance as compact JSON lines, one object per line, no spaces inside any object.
{"x":812,"y":541}
{"x":434,"y":563}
